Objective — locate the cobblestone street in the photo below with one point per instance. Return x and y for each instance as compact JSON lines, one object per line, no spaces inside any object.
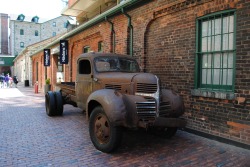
{"x":28,"y":137}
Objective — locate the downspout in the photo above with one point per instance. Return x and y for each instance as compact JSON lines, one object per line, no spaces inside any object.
{"x":130,"y":27}
{"x":71,"y":63}
{"x":112,"y":34}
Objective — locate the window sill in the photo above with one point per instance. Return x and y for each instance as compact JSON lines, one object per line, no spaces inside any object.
{"x":213,"y":94}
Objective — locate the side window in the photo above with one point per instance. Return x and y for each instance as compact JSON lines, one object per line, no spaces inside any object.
{"x":21,"y":32}
{"x":215,"y":51}
{"x":86,"y":49}
{"x":54,"y":34}
{"x":84,"y":67}
{"x":54,"y":24}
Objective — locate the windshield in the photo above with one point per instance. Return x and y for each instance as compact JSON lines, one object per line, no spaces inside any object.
{"x":116,"y":64}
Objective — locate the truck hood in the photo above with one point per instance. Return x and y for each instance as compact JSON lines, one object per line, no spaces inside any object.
{"x":126,"y":78}
{"x":127,"y":83}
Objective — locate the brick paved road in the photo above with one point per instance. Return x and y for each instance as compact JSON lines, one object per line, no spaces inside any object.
{"x":28,"y":137}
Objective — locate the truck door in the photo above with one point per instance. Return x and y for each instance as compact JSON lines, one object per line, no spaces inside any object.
{"x":83,"y":82}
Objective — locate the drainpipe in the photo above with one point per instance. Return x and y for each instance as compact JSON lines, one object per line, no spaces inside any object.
{"x":130,"y":27}
{"x":112,"y":34}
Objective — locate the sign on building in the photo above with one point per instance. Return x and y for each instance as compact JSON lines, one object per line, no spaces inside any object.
{"x":46,"y":57}
{"x":64,"y":58}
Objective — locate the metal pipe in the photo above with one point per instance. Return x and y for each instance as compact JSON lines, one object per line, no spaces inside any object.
{"x":112,"y":34}
{"x":131,"y":35}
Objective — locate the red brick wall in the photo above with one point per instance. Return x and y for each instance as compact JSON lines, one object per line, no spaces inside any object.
{"x":168,"y":38}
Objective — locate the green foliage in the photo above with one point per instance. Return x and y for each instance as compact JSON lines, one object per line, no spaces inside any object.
{"x":47,"y":81}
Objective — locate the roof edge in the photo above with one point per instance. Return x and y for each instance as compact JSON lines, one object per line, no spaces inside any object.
{"x":91,"y":22}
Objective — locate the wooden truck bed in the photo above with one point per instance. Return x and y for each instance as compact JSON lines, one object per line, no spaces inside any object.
{"x":68,"y":90}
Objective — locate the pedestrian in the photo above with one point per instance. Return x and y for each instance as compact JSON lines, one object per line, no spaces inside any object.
{"x":2,"y":81}
{"x":7,"y":79}
{"x":10,"y":81}
{"x":15,"y":80}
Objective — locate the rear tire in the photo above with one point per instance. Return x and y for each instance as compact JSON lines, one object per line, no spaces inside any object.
{"x":50,"y":103}
{"x":104,"y":136}
{"x":59,"y":103}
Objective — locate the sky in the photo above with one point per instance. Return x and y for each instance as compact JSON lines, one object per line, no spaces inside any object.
{"x":47,"y":9}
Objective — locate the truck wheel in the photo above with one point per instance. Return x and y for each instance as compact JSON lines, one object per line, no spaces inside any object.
{"x":104,"y":136}
{"x":50,"y":103}
{"x":165,"y":132}
{"x":59,"y":103}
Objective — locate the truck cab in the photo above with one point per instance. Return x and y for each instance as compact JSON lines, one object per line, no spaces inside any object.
{"x":115,"y":94}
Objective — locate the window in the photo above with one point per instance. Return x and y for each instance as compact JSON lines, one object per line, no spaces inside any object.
{"x":54,"y":34}
{"x":215,"y":51}
{"x":65,"y":25}
{"x":116,"y":64}
{"x":36,"y":33}
{"x":84,"y":67}
{"x":21,"y":32}
{"x":100,"y":46}
{"x":86,"y":49}
{"x":59,"y":65}
{"x":54,"y":24}
{"x":21,"y":44}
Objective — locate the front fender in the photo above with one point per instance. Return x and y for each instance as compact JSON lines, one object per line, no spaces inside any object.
{"x":119,"y":108}
{"x":112,"y":103}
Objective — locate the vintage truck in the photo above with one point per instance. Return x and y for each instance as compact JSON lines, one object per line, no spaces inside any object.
{"x":115,"y":95}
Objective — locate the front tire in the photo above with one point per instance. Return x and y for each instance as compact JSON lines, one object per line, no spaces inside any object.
{"x":104,"y":136}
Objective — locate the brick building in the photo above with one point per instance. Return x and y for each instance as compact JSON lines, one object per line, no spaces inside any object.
{"x":4,"y":33}
{"x":198,"y":48}
{"x":5,"y":57}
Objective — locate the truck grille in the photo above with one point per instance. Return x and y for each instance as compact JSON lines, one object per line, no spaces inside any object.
{"x":115,"y":87}
{"x":165,"y":109}
{"x":146,"y":110}
{"x":146,"y":88}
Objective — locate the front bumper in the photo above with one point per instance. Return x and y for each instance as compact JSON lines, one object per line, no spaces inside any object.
{"x":164,"y":122}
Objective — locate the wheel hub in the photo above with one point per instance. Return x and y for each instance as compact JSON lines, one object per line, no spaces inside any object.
{"x":102,"y":129}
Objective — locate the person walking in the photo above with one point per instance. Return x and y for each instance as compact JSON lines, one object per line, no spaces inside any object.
{"x":7,"y":79}
{"x":15,"y":80}
{"x":2,"y":81}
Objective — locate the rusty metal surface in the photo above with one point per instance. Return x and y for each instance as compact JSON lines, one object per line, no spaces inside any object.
{"x":127,"y":98}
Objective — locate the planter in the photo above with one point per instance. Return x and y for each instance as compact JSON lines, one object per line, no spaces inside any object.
{"x":47,"y":88}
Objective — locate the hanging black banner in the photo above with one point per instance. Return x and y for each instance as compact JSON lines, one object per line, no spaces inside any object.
{"x":64,"y":58}
{"x":46,"y":57}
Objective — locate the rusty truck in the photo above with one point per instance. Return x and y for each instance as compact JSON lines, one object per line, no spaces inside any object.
{"x":115,"y":94}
